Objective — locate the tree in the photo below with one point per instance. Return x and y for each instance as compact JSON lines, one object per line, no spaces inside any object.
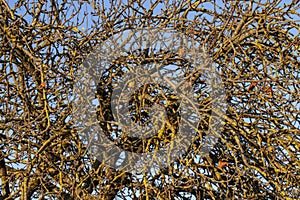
{"x":254,"y":46}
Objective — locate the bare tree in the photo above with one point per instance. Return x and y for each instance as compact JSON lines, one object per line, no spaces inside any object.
{"x":254,"y":45}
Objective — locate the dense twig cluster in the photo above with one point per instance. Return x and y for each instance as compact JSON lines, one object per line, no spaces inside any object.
{"x":254,"y":45}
